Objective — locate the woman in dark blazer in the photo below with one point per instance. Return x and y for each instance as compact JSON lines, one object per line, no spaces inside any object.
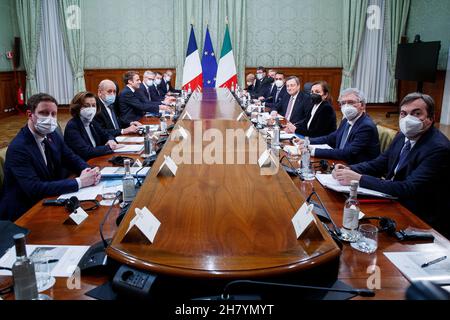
{"x":84,"y":136}
{"x":320,"y":118}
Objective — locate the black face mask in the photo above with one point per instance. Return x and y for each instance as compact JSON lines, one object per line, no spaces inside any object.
{"x":316,"y":98}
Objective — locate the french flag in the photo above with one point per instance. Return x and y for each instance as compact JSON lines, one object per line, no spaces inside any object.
{"x":192,"y":71}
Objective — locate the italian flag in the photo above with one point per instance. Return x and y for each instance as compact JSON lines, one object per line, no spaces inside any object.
{"x":192,"y":71}
{"x":226,"y":72}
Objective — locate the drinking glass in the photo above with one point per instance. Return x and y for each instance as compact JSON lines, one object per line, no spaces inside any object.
{"x":368,"y":239}
{"x":44,"y":279}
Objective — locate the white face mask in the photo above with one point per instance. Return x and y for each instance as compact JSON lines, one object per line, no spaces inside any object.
{"x":46,"y":125}
{"x":350,"y":112}
{"x":259,"y":76}
{"x":411,"y":126}
{"x":167,"y":79}
{"x":279,"y":83}
{"x":149,"y":83}
{"x":88,"y":114}
{"x":158,"y":82}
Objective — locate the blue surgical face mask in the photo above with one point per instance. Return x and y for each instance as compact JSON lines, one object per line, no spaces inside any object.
{"x":158,"y":82}
{"x":149,"y":83}
{"x":110,"y":99}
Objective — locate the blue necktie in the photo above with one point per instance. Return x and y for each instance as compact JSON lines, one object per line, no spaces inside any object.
{"x":344,"y":136}
{"x":403,"y":155}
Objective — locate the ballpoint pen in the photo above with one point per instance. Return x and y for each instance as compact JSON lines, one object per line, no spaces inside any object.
{"x":433,"y":261}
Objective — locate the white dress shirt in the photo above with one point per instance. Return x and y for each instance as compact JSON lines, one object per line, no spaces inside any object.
{"x":313,"y":112}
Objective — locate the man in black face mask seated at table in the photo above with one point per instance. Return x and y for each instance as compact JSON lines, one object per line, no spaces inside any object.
{"x":415,"y":168}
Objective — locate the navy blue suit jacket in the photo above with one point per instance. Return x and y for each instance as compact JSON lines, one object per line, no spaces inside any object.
{"x":156,"y":93}
{"x":322,"y":124}
{"x":421,"y":184}
{"x":27,"y":178}
{"x":301,"y":105}
{"x":77,"y":139}
{"x":105,"y":122}
{"x":362,"y":142}
{"x":133,"y":106}
{"x":271,"y":102}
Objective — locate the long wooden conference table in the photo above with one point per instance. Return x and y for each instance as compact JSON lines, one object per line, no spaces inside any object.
{"x":226,"y":221}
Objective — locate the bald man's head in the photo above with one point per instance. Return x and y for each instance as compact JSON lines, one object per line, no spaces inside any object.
{"x":106,"y":88}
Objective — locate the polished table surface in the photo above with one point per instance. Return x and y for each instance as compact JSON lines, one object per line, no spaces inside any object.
{"x":355,"y":269}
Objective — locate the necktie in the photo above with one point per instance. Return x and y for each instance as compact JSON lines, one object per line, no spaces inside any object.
{"x":345,"y":136}
{"x":276,"y":95}
{"x":289,"y":109}
{"x":148,"y":94}
{"x":114,"y":118}
{"x":403,"y":155}
{"x":48,"y":157}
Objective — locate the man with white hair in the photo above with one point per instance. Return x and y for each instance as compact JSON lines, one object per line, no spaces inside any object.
{"x":107,"y":117}
{"x":356,"y":139}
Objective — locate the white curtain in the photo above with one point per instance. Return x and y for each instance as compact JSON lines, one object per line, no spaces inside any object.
{"x":53,"y":72}
{"x":371,"y":72}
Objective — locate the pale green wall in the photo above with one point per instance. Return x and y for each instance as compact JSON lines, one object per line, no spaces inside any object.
{"x":294,"y":33}
{"x":431,"y":19}
{"x":286,"y":33}
{"x":8,"y":30}
{"x":129,"y":34}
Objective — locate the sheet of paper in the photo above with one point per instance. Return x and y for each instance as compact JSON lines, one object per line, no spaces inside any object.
{"x":410,"y":264}
{"x":320,"y":146}
{"x":286,"y":136}
{"x":89,"y":193}
{"x":328,"y":181}
{"x":153,"y":127}
{"x":120,"y":171}
{"x":130,"y":148}
{"x":125,"y":139}
{"x":65,"y":258}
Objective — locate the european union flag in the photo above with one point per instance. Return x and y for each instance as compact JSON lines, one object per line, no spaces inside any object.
{"x":209,"y":63}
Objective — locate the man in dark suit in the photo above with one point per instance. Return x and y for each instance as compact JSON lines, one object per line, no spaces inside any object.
{"x":107,"y":117}
{"x":262,"y":84}
{"x":416,"y":167}
{"x":133,"y":105}
{"x":277,"y":92}
{"x":292,"y":106}
{"x":166,"y":85}
{"x":356,"y":139}
{"x":150,"y":90}
{"x":37,"y":162}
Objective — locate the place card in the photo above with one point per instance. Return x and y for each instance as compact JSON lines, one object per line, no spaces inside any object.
{"x":303,"y":219}
{"x":266,"y":159}
{"x":186,"y":116}
{"x":146,"y":223}
{"x":137,"y":164}
{"x":241,"y":117}
{"x":168,"y":167}
{"x":250,"y":132}
{"x":77,"y":217}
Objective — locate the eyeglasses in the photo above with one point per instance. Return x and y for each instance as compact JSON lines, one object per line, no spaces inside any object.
{"x":352,"y":102}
